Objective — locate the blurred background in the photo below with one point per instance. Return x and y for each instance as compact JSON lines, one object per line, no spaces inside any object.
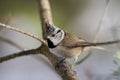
{"x":80,"y":17}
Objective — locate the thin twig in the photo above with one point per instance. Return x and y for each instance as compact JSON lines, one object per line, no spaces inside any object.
{"x":21,"y":31}
{"x":96,"y":44}
{"x":15,"y":55}
{"x":97,"y":31}
{"x":101,"y":21}
{"x":11,"y":42}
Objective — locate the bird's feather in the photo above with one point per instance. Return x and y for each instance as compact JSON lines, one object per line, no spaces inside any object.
{"x":72,"y":41}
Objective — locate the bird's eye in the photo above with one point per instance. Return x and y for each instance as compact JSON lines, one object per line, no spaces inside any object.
{"x":53,"y":35}
{"x":58,"y":31}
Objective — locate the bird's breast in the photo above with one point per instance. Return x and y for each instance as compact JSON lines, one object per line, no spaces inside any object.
{"x":66,"y":52}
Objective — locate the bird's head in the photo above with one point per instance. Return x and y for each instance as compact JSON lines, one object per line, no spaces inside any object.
{"x":54,"y":35}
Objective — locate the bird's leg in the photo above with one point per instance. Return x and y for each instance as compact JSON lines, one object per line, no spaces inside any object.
{"x":74,"y":62}
{"x":60,"y":61}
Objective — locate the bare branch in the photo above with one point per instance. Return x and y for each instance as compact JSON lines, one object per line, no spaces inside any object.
{"x":15,"y":55}
{"x":97,"y":31}
{"x":45,"y":14}
{"x":101,"y":21}
{"x":64,"y":69}
{"x":84,"y":44}
{"x":21,"y":31}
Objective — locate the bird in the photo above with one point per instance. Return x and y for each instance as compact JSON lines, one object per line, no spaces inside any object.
{"x":63,"y":44}
{"x":67,"y":45}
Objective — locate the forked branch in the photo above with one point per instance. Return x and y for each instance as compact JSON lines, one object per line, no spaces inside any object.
{"x":64,"y":69}
{"x":23,"y":53}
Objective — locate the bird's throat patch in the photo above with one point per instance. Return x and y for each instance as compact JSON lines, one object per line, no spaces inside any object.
{"x":51,"y":44}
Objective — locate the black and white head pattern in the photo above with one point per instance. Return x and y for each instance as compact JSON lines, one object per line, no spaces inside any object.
{"x":54,"y":36}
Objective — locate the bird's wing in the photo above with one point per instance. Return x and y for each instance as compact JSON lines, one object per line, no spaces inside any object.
{"x":72,"y":41}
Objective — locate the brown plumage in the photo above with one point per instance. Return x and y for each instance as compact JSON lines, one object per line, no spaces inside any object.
{"x":68,"y":45}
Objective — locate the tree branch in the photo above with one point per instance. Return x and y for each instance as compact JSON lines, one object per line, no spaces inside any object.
{"x":15,"y":55}
{"x":64,"y":69}
{"x":97,"y":31}
{"x":45,"y":14}
{"x":101,"y":21}
{"x":21,"y":31}
{"x":84,"y":44}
